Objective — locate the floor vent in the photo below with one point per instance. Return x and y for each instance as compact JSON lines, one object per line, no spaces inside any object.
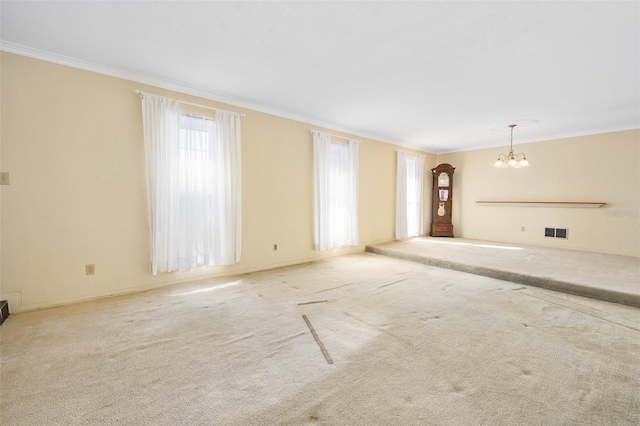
{"x":556,"y":233}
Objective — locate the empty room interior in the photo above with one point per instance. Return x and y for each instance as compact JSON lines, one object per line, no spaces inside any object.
{"x":340,"y":213}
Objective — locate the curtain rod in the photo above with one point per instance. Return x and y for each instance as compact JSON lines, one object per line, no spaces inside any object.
{"x":410,"y":153}
{"x":139,"y":92}
{"x":312,"y":131}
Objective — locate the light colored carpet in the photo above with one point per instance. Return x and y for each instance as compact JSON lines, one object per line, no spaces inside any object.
{"x":410,"y":344}
{"x":608,"y":277}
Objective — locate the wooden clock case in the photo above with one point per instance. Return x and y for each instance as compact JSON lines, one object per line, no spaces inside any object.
{"x":441,"y":225}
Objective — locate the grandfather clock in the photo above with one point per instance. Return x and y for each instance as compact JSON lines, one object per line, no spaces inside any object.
{"x":441,"y":225}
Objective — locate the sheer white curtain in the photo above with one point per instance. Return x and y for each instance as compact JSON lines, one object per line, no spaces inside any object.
{"x":336,"y":192}
{"x":193,"y":186}
{"x":401,"y":197}
{"x":409,"y":196}
{"x":229,"y":137}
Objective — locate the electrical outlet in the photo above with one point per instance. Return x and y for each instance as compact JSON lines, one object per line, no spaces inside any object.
{"x":275,"y":247}
{"x":4,"y":178}
{"x":90,"y":269}
{"x":522,"y":228}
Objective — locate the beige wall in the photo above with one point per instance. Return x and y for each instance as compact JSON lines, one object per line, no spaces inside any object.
{"x":72,"y":143}
{"x":599,"y":168}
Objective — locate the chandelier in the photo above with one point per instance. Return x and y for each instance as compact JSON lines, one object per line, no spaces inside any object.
{"x":512,"y":159}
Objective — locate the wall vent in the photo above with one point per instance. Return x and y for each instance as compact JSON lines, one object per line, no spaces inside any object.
{"x":556,"y":233}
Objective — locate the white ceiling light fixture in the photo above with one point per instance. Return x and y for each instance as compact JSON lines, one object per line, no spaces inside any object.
{"x":512,"y":159}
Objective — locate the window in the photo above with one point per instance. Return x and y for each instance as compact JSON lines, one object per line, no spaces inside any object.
{"x":199,"y":152}
{"x":410,"y":196}
{"x":413,"y":198}
{"x":336,"y":192}
{"x":199,"y":193}
{"x":193,"y":185}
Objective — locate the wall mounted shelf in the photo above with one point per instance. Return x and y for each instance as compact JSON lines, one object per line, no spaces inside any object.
{"x":583,"y":204}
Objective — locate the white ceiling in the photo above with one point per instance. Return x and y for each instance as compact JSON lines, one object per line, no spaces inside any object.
{"x":432,"y":75}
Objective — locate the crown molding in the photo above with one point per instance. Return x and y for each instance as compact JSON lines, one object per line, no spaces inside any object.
{"x":176,"y":86}
{"x":163,"y":83}
{"x":554,"y":137}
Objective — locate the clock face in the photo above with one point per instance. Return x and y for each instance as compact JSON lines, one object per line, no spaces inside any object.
{"x":443,"y":179}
